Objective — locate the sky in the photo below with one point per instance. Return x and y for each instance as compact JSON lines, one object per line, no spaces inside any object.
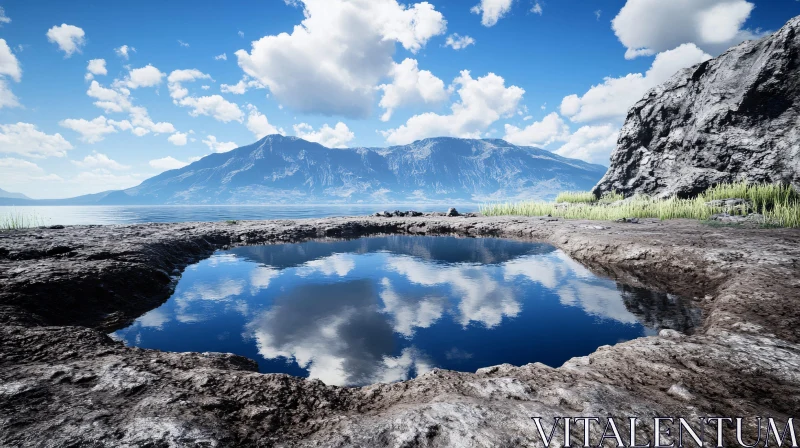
{"x":100,"y":95}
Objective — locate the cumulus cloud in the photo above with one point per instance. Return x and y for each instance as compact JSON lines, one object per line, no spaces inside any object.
{"x":100,"y":161}
{"x":9,"y":67}
{"x":167,"y":163}
{"x":242,"y":86}
{"x":332,"y":137}
{"x":537,"y":8}
{"x":118,"y":99}
{"x":69,"y":38}
{"x":492,"y":10}
{"x":613,"y":98}
{"x":332,"y":61}
{"x":26,"y":140}
{"x":124,"y":51}
{"x":592,"y":144}
{"x":410,"y":85}
{"x":216,"y":146}
{"x":213,"y":105}
{"x":342,"y":341}
{"x":178,"y":138}
{"x":457,"y":42}
{"x":18,"y":171}
{"x":481,"y":298}
{"x":647,"y":27}
{"x":258,"y":124}
{"x":147,"y":76}
{"x":96,"y":67}
{"x":551,"y":129}
{"x":93,"y":131}
{"x":482,"y":102}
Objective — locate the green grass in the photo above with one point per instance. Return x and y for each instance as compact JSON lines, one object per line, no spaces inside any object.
{"x":15,"y":220}
{"x":576,"y":197}
{"x":779,"y":204}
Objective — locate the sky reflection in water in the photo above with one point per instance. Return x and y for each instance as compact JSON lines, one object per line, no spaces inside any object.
{"x":389,"y":308}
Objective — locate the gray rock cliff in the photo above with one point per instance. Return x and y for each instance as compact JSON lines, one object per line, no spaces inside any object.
{"x":732,"y":118}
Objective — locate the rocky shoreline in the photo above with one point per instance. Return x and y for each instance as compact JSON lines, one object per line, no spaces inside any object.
{"x":63,"y":382}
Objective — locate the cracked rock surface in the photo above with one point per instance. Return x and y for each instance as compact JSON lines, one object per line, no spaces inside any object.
{"x":732,"y":118}
{"x":63,"y":382}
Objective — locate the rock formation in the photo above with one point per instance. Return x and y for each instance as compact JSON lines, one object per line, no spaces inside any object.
{"x":732,"y":118}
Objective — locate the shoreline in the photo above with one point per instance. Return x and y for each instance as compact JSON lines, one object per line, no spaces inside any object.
{"x":742,"y":360}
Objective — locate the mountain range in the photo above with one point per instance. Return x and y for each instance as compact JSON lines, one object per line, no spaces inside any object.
{"x":290,"y":170}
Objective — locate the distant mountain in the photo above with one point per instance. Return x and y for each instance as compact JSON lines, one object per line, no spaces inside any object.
{"x":10,"y":195}
{"x":289,"y":170}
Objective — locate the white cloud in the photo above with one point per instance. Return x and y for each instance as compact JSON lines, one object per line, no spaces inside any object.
{"x":93,"y":131}
{"x":483,"y":101}
{"x":240,"y":33}
{"x":18,"y":171}
{"x":118,"y":100}
{"x":331,"y":63}
{"x":551,"y":129}
{"x":242,"y":86}
{"x":213,"y":105}
{"x":182,"y":43}
{"x":457,"y":42}
{"x":216,"y":146}
{"x":647,"y":27}
{"x":492,"y":10}
{"x":613,"y":98}
{"x":95,"y":67}
{"x":205,"y":87}
{"x":537,"y":8}
{"x":410,"y":85}
{"x":97,"y":160}
{"x":26,"y":140}
{"x":147,"y":76}
{"x":221,"y":57}
{"x":178,"y":138}
{"x":258,"y":124}
{"x":592,"y":144}
{"x":332,"y":137}
{"x":69,"y":38}
{"x":3,"y":17}
{"x":102,"y":179}
{"x":481,"y":298}
{"x":9,"y":66}
{"x":167,"y":163}
{"x":124,"y":51}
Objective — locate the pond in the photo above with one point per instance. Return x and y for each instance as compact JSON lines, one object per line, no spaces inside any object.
{"x":388,"y":308}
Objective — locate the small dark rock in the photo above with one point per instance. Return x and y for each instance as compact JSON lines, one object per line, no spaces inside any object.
{"x":415,"y":213}
{"x":629,"y":220}
{"x":56,"y":227}
{"x":452,"y":212}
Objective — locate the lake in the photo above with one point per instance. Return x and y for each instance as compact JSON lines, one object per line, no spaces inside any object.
{"x":98,"y":214}
{"x":388,"y":308}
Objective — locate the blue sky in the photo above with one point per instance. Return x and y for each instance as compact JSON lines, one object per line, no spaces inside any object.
{"x":98,"y":95}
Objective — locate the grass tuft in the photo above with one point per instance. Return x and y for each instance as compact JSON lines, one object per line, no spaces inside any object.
{"x":778,"y":204}
{"x":576,"y":197}
{"x":15,"y":220}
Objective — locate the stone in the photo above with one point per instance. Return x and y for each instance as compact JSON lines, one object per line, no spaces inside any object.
{"x":452,"y":212}
{"x":64,"y":382}
{"x":732,"y":118}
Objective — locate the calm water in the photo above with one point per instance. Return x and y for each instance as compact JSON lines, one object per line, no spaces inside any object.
{"x":97,"y":214}
{"x":388,"y":308}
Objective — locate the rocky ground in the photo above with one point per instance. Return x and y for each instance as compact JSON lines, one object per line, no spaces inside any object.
{"x":63,"y":382}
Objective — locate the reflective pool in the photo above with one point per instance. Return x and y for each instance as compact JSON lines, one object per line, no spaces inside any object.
{"x":389,"y":308}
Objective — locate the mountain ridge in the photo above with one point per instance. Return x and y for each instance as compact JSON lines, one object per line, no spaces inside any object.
{"x":287,"y":170}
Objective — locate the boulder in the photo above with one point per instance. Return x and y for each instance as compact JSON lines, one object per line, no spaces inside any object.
{"x":732,"y":118}
{"x":452,"y":212}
